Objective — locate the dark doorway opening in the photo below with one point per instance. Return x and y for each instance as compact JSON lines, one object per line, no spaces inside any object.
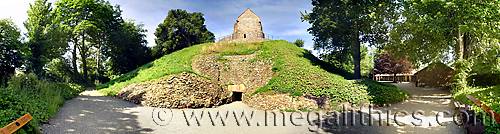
{"x":237,"y":96}
{"x":244,"y":35}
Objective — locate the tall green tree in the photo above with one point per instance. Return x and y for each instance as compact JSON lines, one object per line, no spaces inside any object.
{"x":71,"y":14}
{"x":100,"y":40}
{"x":129,"y":51}
{"x":45,"y":40}
{"x":179,"y":30}
{"x":340,"y":26}
{"x":89,"y":24}
{"x":11,"y":50}
{"x":433,"y":29}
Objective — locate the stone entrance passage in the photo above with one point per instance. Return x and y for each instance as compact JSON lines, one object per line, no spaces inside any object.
{"x":238,"y":91}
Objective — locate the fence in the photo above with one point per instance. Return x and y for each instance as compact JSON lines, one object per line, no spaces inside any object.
{"x":398,"y":77}
{"x":232,"y":38}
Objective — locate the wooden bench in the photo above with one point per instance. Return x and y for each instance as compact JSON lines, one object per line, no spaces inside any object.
{"x":16,"y":125}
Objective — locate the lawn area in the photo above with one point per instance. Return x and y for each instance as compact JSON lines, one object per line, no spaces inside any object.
{"x":177,"y":62}
{"x":298,"y":72}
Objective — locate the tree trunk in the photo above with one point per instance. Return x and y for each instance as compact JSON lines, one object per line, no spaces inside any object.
{"x":461,"y":68}
{"x":98,"y":57}
{"x":467,"y":39}
{"x":356,"y":55}
{"x":459,"y":48}
{"x":73,"y":61}
{"x":83,"y":54}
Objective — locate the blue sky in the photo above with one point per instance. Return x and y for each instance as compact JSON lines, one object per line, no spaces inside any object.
{"x":280,"y":18}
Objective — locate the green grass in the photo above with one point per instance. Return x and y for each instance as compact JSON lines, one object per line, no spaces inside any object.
{"x":489,"y":96}
{"x":296,"y":71}
{"x":174,"y":63}
{"x":383,"y":93}
{"x":225,"y":49}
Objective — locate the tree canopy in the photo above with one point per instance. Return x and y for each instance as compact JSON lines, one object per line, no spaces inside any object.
{"x":180,"y":29}
{"x":432,"y":30}
{"x":340,"y":26}
{"x":101,"y":43}
{"x":45,"y":39}
{"x":11,"y":50}
{"x":387,"y":63}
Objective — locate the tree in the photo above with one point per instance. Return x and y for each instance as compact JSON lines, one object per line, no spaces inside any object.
{"x":367,"y":61}
{"x":45,"y":40}
{"x":90,"y":25}
{"x":340,"y":26}
{"x":432,"y":29}
{"x":299,"y":43}
{"x":73,"y":15}
{"x":130,"y":51}
{"x":180,"y":29}
{"x":387,"y":63}
{"x":11,"y":50}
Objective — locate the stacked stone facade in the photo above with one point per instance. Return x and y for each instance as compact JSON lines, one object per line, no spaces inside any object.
{"x":248,"y":27}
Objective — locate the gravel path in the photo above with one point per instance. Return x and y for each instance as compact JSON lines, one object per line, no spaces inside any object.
{"x":92,"y":113}
{"x":429,"y":101}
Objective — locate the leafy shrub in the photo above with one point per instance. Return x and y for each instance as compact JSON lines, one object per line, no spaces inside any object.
{"x":26,"y":94}
{"x":484,"y":80}
{"x":299,"y":43}
{"x":462,"y":69}
{"x":382,"y":93}
{"x":488,"y":96}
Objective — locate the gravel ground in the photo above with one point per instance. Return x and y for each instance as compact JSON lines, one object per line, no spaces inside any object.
{"x":92,"y":113}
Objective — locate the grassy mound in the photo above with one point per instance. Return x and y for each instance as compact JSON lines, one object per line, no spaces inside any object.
{"x":174,"y":63}
{"x":296,"y":72}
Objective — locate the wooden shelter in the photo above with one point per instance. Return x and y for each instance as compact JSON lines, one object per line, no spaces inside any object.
{"x":436,"y":74}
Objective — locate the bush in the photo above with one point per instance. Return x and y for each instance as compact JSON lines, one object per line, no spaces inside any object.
{"x":26,"y":94}
{"x":299,"y":43}
{"x":488,"y":96}
{"x":462,"y":70}
{"x":382,"y":93}
{"x":484,"y":80}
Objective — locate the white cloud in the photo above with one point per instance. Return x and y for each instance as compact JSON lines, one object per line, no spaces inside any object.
{"x":15,"y":10}
{"x":296,"y":32}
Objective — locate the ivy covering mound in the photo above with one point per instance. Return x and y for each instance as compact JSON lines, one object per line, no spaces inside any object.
{"x":42,"y":99}
{"x":489,"y":96}
{"x":293,"y":71}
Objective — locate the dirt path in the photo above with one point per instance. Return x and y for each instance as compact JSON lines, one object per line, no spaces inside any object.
{"x":93,"y":113}
{"x":428,"y":101}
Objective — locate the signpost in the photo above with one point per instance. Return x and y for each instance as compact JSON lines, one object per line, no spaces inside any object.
{"x":16,"y":125}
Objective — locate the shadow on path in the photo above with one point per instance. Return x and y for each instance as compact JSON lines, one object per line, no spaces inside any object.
{"x":391,"y":120}
{"x":95,"y":114}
